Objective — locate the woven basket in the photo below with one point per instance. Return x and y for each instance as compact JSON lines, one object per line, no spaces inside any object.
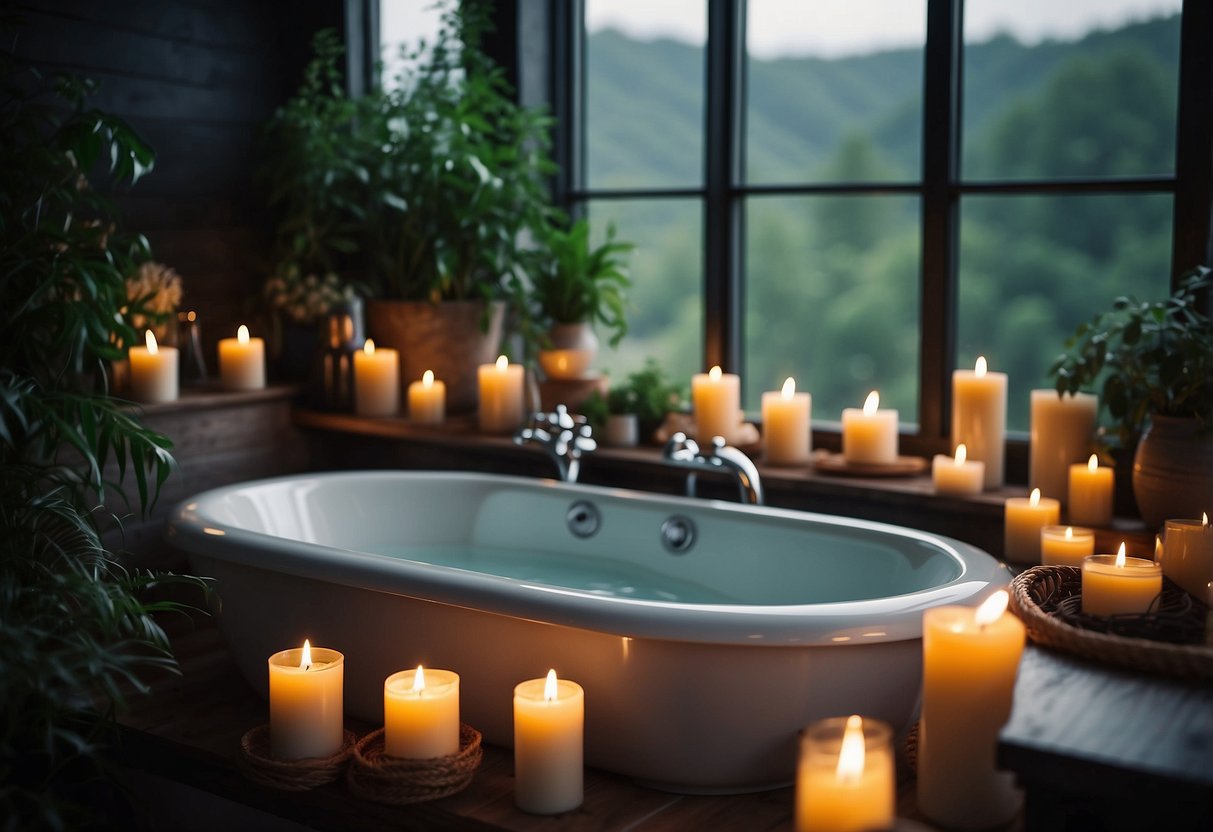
{"x":1045,"y":599}
{"x":374,"y":775}
{"x":290,"y":775}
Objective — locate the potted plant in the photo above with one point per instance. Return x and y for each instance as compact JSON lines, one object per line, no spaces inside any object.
{"x":635,"y":408}
{"x":1152,"y":363}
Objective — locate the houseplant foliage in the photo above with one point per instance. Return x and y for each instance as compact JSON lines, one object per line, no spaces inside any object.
{"x":574,"y":282}
{"x":75,"y":632}
{"x":647,"y":393}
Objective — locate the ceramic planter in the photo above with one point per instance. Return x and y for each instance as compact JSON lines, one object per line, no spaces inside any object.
{"x":1173,"y":470}
{"x":574,"y":348}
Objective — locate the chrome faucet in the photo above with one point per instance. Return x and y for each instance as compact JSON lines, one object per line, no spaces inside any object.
{"x":685,"y":453}
{"x":564,"y":436}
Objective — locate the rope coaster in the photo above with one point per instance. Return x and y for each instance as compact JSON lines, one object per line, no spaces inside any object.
{"x":373,"y":775}
{"x":290,"y":775}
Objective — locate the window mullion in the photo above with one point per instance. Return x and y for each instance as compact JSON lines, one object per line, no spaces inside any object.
{"x":1193,"y":138}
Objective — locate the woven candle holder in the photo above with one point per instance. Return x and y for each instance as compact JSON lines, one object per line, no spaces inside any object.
{"x":290,"y":775}
{"x":374,"y":775}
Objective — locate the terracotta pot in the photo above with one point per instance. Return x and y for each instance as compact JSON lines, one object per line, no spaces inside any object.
{"x":574,"y":348}
{"x":1173,"y":470}
{"x":444,"y":337}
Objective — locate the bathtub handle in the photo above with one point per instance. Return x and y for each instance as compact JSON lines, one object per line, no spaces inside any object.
{"x":685,"y":453}
{"x":564,"y":436}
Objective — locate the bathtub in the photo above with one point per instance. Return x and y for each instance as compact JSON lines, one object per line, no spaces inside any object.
{"x":705,"y":634}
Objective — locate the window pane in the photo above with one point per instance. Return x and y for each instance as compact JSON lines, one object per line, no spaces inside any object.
{"x":834,"y":90}
{"x":1084,"y":88}
{"x":665,"y":301}
{"x":832,"y":294}
{"x":404,"y":24}
{"x":644,"y":86}
{"x":1033,"y":268}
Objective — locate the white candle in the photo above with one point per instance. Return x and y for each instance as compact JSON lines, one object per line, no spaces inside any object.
{"x":845,"y":780}
{"x":421,"y":714}
{"x":1090,"y":493}
{"x":958,"y":474}
{"x":501,"y":387}
{"x":970,"y":659}
{"x":1024,"y":517}
{"x":979,"y":418}
{"x":1061,"y":432}
{"x":153,"y":372}
{"x":427,"y":400}
{"x":716,"y":399}
{"x":306,"y":708}
{"x":1066,"y":545}
{"x":1187,"y":554}
{"x":785,"y":425}
{"x":1115,"y":584}
{"x":242,"y":361}
{"x":869,"y":436}
{"x":376,"y":381}
{"x":549,"y":720}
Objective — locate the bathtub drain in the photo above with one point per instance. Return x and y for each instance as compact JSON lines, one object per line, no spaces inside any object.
{"x":583,"y":519}
{"x":678,"y":534}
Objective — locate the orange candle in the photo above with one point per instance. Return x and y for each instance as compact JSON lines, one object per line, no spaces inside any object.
{"x":958,"y":474}
{"x":549,"y":720}
{"x":376,"y":381}
{"x":242,"y":361}
{"x":1091,"y":489}
{"x":1115,"y":584}
{"x":1066,"y":545}
{"x":785,"y":425}
{"x":306,"y":708}
{"x":427,"y":400}
{"x":845,"y":780}
{"x":153,"y":372}
{"x":979,"y":417}
{"x":869,"y":436}
{"x":421,"y":713}
{"x":716,"y":398}
{"x":1024,"y":518}
{"x":500,"y":396}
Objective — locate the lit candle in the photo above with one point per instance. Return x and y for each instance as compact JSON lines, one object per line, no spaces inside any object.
{"x":1114,"y":584}
{"x":549,"y":718}
{"x":1090,"y":491}
{"x":500,"y":396}
{"x":1061,"y":430}
{"x":421,"y":713}
{"x":427,"y":400}
{"x":376,"y":380}
{"x":970,"y":659}
{"x":242,"y":361}
{"x":979,"y":418}
{"x":869,"y":436}
{"x":785,"y":425}
{"x":958,"y":474}
{"x":716,"y":399}
{"x":1025,"y":517}
{"x":1066,"y":545}
{"x":153,"y":372}
{"x":306,"y":709}
{"x":1187,"y":555}
{"x":845,"y":779}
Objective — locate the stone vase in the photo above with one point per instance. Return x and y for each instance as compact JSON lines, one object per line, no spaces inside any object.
{"x":573,"y":350}
{"x":1173,"y":470}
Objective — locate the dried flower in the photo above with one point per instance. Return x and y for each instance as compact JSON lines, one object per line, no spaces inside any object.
{"x":304,"y":298}
{"x":153,"y":294}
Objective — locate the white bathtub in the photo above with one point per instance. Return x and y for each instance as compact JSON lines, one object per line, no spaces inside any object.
{"x":699,"y":668}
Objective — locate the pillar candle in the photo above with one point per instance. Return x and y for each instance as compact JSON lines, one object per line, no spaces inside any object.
{"x":1024,"y":518}
{"x":785,"y":425}
{"x":376,"y":380}
{"x":869,"y":436}
{"x":845,"y":780}
{"x":1066,"y":545}
{"x":306,"y":709}
{"x":1090,"y":493}
{"x":1114,"y":584}
{"x":421,"y":714}
{"x":979,"y":418}
{"x":716,"y":399}
{"x":1061,"y":430}
{"x":970,"y":659}
{"x":501,"y":386}
{"x":958,"y":474}
{"x":427,"y":400}
{"x":549,"y":720}
{"x":1187,"y":553}
{"x":242,"y":361}
{"x":153,"y":372}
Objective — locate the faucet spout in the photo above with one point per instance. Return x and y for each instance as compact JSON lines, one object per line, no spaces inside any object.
{"x":685,"y":453}
{"x":564,"y":436}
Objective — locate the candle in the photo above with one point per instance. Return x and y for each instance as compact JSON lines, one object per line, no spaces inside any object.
{"x":1024,"y":518}
{"x":869,"y":436}
{"x":979,"y":417}
{"x":1090,"y":493}
{"x":1061,"y":431}
{"x":970,"y":658}
{"x":549,"y":718}
{"x":421,"y":714}
{"x":785,"y":425}
{"x":958,"y":474}
{"x":1066,"y":545}
{"x":716,"y":399}
{"x":376,"y":380}
{"x":1114,"y":584}
{"x":242,"y":361}
{"x":153,"y":372}
{"x":427,"y":400}
{"x":306,"y":709}
{"x":1187,"y":555}
{"x":845,"y":779}
{"x":500,"y":396}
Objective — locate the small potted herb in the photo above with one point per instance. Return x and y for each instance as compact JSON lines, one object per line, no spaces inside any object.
{"x":635,"y":408}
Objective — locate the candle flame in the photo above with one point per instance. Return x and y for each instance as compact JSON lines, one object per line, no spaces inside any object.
{"x":1204,"y":518}
{"x":191,"y":316}
{"x":427,"y":378}
{"x":1120,"y":556}
{"x":871,"y":404}
{"x":368,"y":347}
{"x":1158,"y":548}
{"x":992,"y":608}
{"x":152,"y":348}
{"x":979,"y":369}
{"x":851,"y":755}
{"x":502,"y":363}
{"x":242,"y":334}
{"x":549,"y":687}
{"x":1093,"y":464}
{"x":789,"y":388}
{"x":1034,"y":500}
{"x":419,"y":680}
{"x":305,"y":658}
{"x":1069,"y":532}
{"x":962,"y":453}
{"x":714,"y":373}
